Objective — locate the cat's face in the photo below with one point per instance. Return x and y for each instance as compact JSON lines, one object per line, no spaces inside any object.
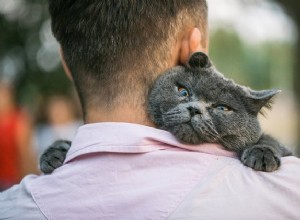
{"x":198,"y":104}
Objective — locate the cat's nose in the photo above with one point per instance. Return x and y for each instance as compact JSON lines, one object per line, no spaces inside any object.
{"x":194,"y":111}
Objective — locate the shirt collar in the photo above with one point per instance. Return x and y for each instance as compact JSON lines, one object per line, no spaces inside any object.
{"x":131,"y":138}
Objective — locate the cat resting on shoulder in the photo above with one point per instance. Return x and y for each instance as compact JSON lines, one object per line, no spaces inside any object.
{"x":197,"y":104}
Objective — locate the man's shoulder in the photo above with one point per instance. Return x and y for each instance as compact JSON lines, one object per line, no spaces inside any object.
{"x":18,"y":203}
{"x":170,"y":181}
{"x":234,"y":191}
{"x":292,"y":160}
{"x":290,"y":167}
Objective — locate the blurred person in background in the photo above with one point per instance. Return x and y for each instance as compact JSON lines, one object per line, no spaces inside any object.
{"x":16,"y":153}
{"x":61,"y":122}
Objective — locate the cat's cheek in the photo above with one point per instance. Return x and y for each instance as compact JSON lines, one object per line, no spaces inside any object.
{"x":224,"y":122}
{"x":176,"y":116}
{"x":205,"y":128}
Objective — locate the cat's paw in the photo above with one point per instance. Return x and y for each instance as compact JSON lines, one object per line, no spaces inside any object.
{"x":54,"y":156}
{"x":261,"y":158}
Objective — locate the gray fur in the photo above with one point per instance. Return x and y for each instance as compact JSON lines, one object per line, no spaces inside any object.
{"x":198,"y":118}
{"x":54,"y":156}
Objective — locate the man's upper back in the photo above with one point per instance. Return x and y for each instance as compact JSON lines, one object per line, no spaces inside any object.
{"x":124,"y":171}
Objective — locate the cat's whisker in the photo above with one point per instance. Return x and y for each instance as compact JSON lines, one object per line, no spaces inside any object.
{"x":210,"y":134}
{"x":212,"y":129}
{"x":175,"y":119}
{"x":173,"y":113}
{"x":210,"y":123}
{"x":209,"y":127}
{"x":206,"y":130}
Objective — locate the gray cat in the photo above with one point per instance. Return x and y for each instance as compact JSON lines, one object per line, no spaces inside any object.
{"x":197,"y":104}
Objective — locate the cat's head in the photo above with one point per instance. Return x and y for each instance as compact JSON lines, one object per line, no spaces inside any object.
{"x":199,"y":105}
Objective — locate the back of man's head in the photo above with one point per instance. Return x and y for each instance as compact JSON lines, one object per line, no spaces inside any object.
{"x":115,"y":48}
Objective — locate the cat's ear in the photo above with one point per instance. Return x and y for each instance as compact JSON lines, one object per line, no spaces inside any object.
{"x":199,"y":60}
{"x":257,"y":100}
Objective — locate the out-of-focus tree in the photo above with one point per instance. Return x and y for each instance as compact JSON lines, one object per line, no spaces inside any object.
{"x":257,"y":66}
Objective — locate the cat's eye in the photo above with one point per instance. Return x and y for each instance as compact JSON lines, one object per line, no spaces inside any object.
{"x":183,"y":92}
{"x":223,"y":107}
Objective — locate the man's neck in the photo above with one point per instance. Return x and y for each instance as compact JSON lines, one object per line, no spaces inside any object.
{"x":122,"y":114}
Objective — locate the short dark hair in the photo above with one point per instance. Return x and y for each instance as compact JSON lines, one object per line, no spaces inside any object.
{"x":102,"y":40}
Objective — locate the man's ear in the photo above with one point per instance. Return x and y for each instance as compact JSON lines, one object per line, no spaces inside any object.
{"x":66,"y":68}
{"x":191,"y":43}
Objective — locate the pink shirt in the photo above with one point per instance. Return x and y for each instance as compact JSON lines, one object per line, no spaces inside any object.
{"x":134,"y":172}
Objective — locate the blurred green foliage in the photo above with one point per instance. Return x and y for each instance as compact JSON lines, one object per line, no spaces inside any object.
{"x":260,"y":66}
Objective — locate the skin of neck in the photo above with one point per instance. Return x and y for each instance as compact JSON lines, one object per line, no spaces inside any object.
{"x":187,"y":43}
{"x":124,"y":113}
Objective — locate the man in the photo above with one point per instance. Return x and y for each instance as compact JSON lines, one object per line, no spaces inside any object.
{"x":119,"y":167}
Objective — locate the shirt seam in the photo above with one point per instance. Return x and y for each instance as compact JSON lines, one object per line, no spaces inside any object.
{"x":29,"y":188}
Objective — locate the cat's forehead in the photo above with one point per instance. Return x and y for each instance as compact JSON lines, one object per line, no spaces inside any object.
{"x":200,"y":78}
{"x":208,"y":84}
{"x":201,"y":81}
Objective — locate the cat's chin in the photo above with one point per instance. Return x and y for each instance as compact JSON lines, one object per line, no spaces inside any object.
{"x":186,"y":134}
{"x":189,"y":134}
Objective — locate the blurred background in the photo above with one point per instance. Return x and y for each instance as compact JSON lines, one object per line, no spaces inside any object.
{"x":256,"y":43}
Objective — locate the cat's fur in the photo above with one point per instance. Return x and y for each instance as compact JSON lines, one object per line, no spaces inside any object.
{"x":197,"y":104}
{"x":54,"y":156}
{"x":216,"y":110}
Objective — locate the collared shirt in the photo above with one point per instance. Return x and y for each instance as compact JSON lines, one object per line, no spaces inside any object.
{"x":127,"y":171}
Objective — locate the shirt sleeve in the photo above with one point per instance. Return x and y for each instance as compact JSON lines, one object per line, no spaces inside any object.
{"x":17,"y":203}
